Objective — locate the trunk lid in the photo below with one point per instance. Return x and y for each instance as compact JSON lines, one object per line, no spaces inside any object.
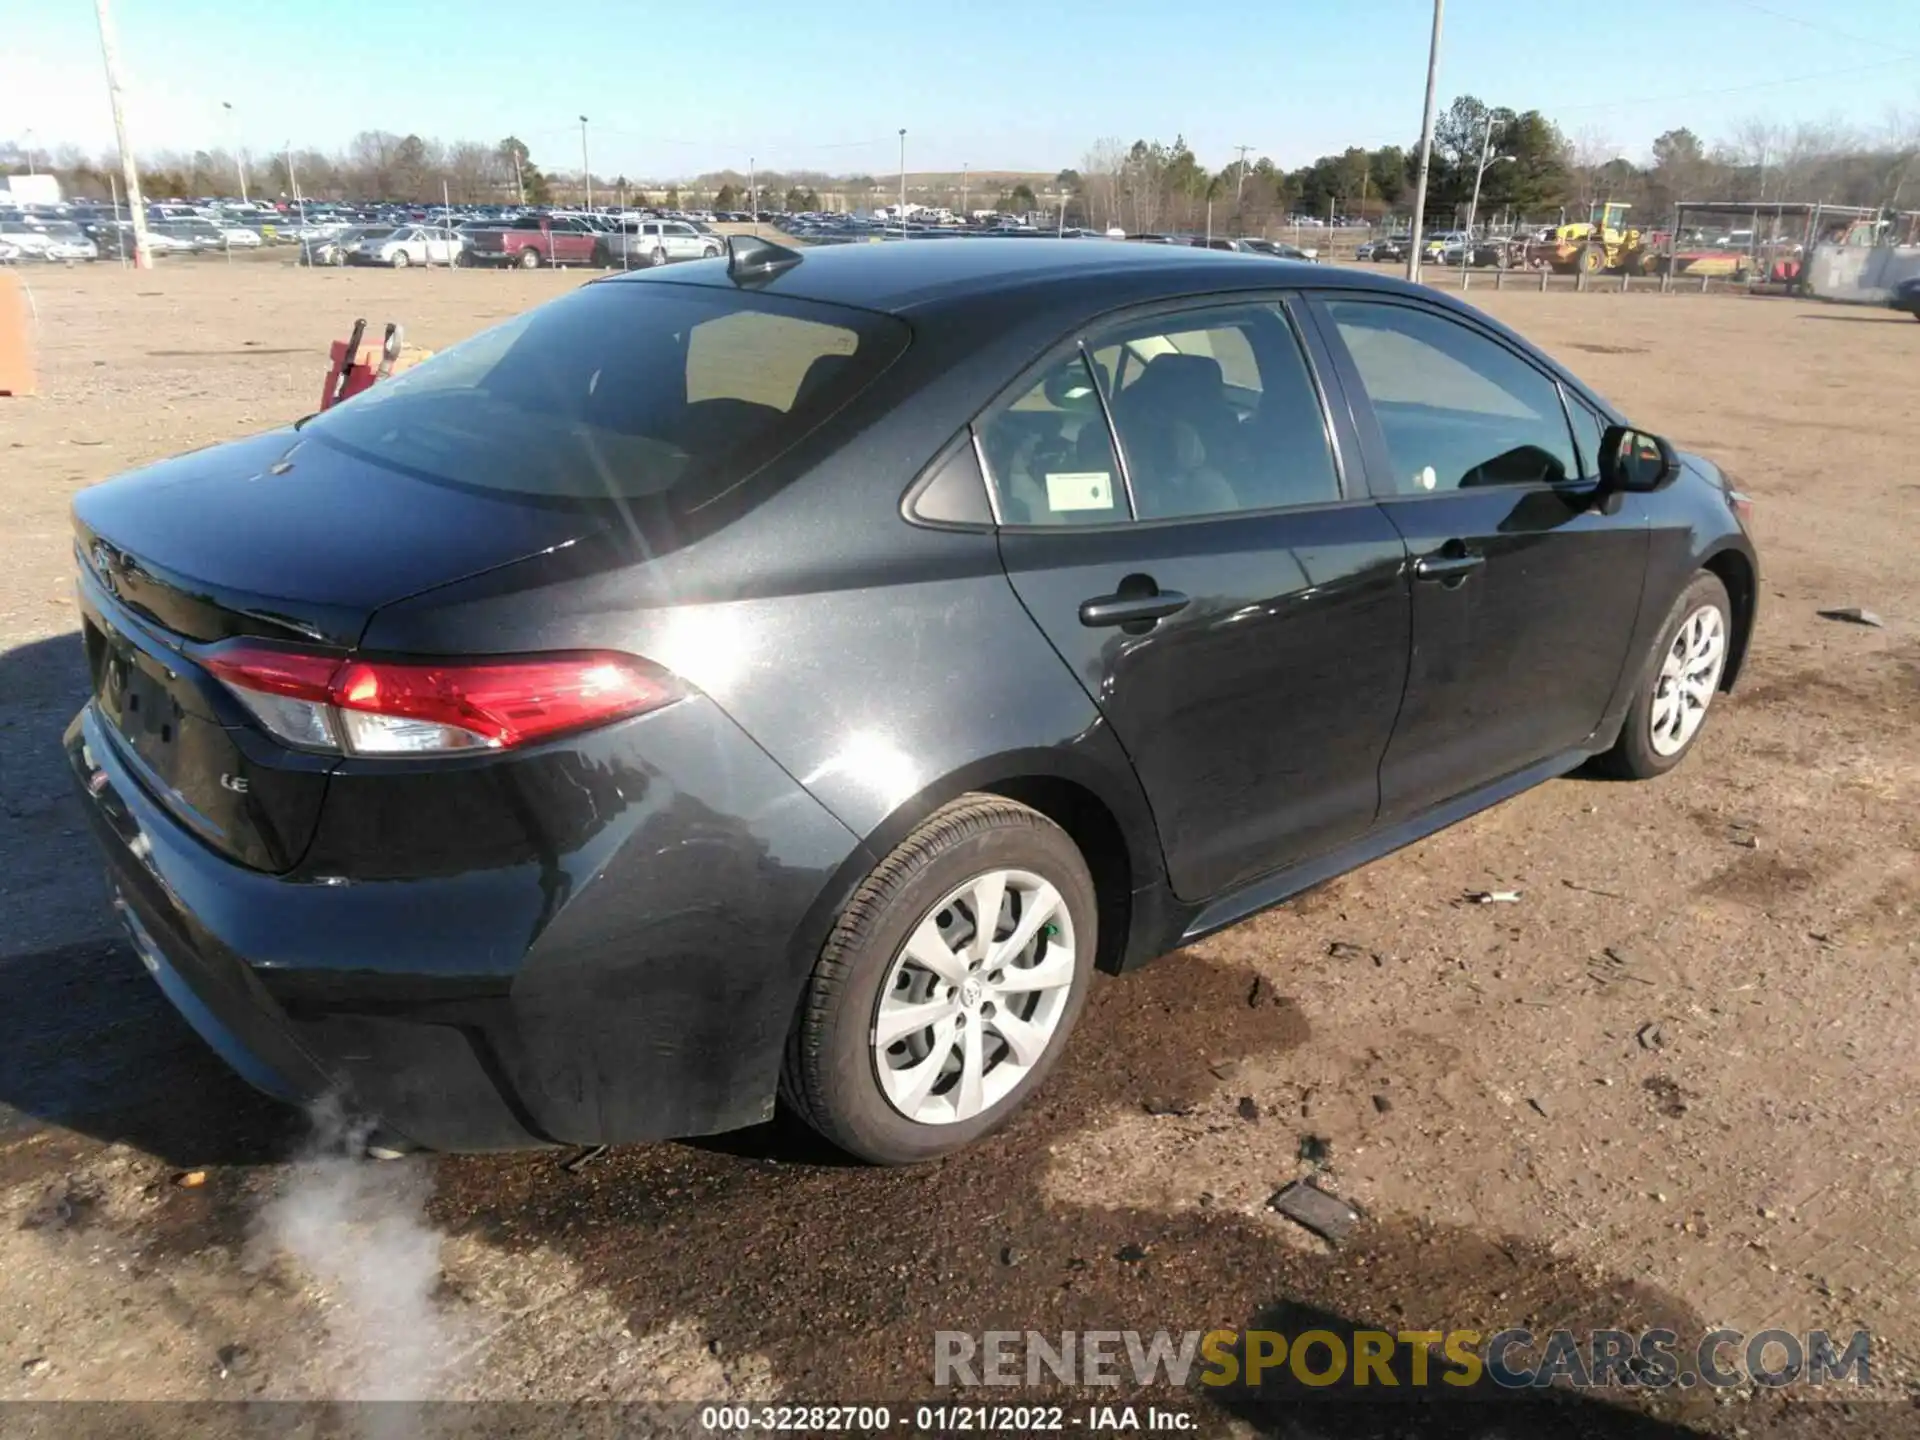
{"x":277,"y":537}
{"x":288,"y":538}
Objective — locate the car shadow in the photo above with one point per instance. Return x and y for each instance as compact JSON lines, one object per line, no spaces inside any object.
{"x":1878,"y":317}
{"x":87,"y":1042}
{"x":1432,"y":1403}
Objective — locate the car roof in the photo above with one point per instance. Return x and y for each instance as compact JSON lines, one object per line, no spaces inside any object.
{"x":912,"y":277}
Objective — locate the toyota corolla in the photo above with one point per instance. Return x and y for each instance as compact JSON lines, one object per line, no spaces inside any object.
{"x":793,"y":676}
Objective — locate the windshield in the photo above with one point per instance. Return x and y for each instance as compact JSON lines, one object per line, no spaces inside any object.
{"x":621,"y":391}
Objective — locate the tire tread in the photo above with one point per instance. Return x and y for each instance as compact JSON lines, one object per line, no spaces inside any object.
{"x":802,"y":1078}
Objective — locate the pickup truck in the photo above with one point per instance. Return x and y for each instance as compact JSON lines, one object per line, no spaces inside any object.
{"x":535,"y":240}
{"x":655,"y":242}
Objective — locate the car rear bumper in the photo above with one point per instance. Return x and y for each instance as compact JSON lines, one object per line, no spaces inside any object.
{"x":634,"y":981}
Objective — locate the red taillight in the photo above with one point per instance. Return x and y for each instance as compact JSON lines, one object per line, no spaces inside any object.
{"x":380,"y":707}
{"x":1742,"y":505}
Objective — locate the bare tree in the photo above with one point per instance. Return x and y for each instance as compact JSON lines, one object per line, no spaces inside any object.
{"x":1101,"y":169}
{"x":1590,"y":152}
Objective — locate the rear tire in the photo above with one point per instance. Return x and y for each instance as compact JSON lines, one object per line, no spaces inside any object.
{"x":658,"y":257}
{"x":400,"y":260}
{"x":920,"y":902}
{"x":1676,"y":686}
{"x":529,"y":259}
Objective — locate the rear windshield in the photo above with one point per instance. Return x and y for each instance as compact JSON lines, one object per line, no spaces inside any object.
{"x":621,"y":391}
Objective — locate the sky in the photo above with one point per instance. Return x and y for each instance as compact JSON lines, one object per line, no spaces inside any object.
{"x":672,"y":90}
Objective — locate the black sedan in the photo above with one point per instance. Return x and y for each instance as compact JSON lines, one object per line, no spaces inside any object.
{"x":1906,"y":297}
{"x":791,"y":677}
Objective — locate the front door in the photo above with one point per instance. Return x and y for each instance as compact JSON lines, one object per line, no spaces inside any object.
{"x":1238,"y":614}
{"x":1524,"y":592}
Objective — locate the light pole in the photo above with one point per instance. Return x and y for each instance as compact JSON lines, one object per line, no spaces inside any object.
{"x":1426,"y":146}
{"x":586,"y":170}
{"x":239,"y":153}
{"x":29,"y":140}
{"x":136,"y":208}
{"x":903,"y":182}
{"x":964,"y":169}
{"x":1473,"y":205}
{"x":753,"y":194}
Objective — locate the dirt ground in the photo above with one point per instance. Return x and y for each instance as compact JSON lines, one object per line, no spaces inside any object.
{"x":1674,"y":1084}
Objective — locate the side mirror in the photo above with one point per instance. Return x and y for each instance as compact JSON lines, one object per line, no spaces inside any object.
{"x":1633,"y":460}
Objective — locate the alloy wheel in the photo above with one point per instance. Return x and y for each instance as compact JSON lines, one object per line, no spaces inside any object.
{"x":1689,"y":676}
{"x":974,"y":997}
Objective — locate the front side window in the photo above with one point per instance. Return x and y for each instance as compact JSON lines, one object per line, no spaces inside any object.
{"x":1587,"y":431}
{"x":1217,"y":412}
{"x":620,"y":392}
{"x":1457,"y":409}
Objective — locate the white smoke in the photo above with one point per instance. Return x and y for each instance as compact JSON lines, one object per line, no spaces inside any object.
{"x":358,"y":1229}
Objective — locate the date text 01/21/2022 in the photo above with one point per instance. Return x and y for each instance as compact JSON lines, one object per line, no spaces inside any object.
{"x":939,"y":1419}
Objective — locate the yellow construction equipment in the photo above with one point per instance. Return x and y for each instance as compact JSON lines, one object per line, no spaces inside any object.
{"x":1603,"y":241}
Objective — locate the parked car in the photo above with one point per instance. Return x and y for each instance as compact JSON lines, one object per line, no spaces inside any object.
{"x":9,"y":252}
{"x":410,"y":245}
{"x":1387,"y":250}
{"x":191,"y":235}
{"x":29,"y":240}
{"x":515,"y":761}
{"x":332,"y":249}
{"x":656,"y":242}
{"x":1906,"y":297}
{"x":239,"y":237}
{"x":535,"y":240}
{"x":1277,"y":249}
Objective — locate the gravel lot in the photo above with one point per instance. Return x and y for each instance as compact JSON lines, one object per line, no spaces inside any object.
{"x":1675,"y":1083}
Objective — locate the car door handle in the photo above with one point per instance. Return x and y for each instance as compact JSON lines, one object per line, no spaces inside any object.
{"x":1447,"y":569}
{"x":1131,"y":609}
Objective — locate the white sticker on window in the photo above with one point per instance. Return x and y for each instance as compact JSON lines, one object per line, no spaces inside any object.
{"x":1079,"y":490}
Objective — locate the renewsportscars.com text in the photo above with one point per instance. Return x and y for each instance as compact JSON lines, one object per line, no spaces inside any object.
{"x":1507,"y":1359}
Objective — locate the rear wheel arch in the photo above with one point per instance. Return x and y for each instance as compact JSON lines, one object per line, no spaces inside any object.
{"x":1113,"y":829}
{"x":1096,"y":831}
{"x":1735,"y":571}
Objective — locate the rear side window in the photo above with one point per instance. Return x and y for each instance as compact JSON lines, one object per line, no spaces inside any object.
{"x":1050,"y":454}
{"x":1217,"y":412}
{"x":621,"y":391}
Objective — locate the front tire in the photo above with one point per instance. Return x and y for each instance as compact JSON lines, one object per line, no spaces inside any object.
{"x":400,"y":260}
{"x":658,"y":257}
{"x":1676,"y":686}
{"x":529,"y":259}
{"x":922,"y":1031}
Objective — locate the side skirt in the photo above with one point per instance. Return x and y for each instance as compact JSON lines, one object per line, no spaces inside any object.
{"x":1270,"y":890}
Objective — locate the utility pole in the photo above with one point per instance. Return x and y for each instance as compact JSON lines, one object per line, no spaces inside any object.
{"x":903,"y":182}
{"x":29,"y":140}
{"x":1426,"y":146}
{"x":110,"y":57}
{"x":753,"y":195}
{"x":519,"y":188}
{"x":1240,"y":180}
{"x":1473,"y":205}
{"x":586,"y":170}
{"x":293,"y":184}
{"x":963,"y":190}
{"x":239,"y":150}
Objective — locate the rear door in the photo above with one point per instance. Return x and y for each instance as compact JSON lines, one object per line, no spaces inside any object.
{"x":1219,"y":580}
{"x":1525,"y":592}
